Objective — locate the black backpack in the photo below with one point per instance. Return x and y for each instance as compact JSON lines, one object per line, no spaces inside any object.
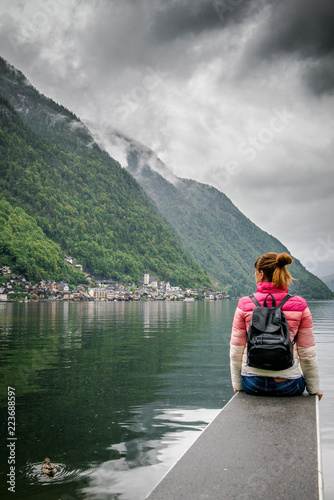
{"x":268,"y":342}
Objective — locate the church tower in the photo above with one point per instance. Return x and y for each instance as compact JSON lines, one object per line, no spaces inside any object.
{"x":146,"y":277}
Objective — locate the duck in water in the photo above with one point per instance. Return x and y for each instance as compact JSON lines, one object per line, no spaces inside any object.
{"x":48,"y":468}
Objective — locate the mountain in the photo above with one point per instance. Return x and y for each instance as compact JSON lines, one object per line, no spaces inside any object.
{"x":223,"y":240}
{"x":73,"y":198}
{"x":329,"y":280}
{"x":61,"y":194}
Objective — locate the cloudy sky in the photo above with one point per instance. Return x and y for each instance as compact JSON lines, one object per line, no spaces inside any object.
{"x":235,"y":93}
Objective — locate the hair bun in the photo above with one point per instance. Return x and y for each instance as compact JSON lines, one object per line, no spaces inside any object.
{"x":283,"y":259}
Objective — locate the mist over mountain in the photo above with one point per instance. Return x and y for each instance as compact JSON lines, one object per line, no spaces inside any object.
{"x":329,"y":281}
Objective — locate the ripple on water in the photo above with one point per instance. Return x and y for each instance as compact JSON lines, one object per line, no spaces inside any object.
{"x":33,"y":472}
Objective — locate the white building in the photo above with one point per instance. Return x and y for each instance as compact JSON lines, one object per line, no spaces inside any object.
{"x":146,"y":278}
{"x":98,"y":293}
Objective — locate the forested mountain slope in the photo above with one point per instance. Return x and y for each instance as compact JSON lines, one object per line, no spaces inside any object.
{"x":59,"y":188}
{"x":223,"y":240}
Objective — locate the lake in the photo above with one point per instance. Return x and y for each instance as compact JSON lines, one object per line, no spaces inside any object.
{"x":113,"y":393}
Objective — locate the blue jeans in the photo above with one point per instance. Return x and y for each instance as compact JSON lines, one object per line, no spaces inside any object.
{"x":267,"y":386}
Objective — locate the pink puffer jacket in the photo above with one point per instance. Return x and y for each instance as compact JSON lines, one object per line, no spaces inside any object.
{"x":299,"y":320}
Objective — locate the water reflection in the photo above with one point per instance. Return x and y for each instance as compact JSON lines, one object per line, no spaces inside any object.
{"x":142,"y":462}
{"x":115,"y":392}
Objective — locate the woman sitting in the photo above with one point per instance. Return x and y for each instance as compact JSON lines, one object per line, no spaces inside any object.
{"x":272,"y":277}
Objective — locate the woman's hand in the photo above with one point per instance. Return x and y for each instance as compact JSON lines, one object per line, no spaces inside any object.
{"x":319,"y":394}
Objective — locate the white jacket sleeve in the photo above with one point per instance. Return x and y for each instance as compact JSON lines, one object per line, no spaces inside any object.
{"x":236,"y":354}
{"x":310,"y":368}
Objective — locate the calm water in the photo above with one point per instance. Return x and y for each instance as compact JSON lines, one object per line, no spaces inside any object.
{"x":114,"y":392}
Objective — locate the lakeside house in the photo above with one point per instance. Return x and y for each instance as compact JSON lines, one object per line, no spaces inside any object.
{"x":18,"y":288}
{"x":3,"y":294}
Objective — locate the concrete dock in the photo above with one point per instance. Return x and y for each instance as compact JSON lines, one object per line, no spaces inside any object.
{"x":256,"y":448}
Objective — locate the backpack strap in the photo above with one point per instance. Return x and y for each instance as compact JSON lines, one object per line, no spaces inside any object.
{"x":273,"y":300}
{"x":285,"y":299}
{"x":256,"y":302}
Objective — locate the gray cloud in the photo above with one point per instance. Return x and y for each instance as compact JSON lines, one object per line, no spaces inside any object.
{"x":302,"y":29}
{"x":175,"y":19}
{"x":181,"y":18}
{"x":195,"y":80}
{"x":303,"y":26}
{"x":319,"y":75}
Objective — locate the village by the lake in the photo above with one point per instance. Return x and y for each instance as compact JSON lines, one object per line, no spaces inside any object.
{"x":17,"y":288}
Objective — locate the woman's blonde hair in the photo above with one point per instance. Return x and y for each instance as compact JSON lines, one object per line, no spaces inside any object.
{"x":274,"y":268}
